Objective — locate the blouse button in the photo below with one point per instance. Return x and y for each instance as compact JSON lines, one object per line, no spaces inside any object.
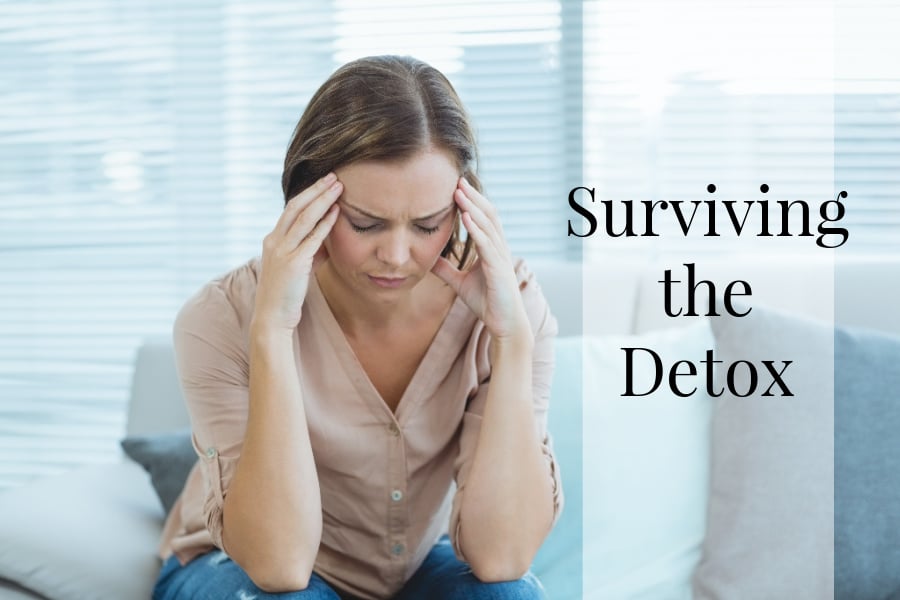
{"x":398,"y":549}
{"x":210,"y":452}
{"x":394,"y":429}
{"x":396,"y":495}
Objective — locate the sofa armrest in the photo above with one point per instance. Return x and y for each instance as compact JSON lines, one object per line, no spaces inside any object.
{"x":88,"y":533}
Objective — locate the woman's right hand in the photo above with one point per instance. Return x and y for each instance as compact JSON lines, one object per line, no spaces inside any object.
{"x":291,"y":252}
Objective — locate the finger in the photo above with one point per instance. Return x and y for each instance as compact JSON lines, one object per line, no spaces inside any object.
{"x":484,"y":212}
{"x":311,"y":214}
{"x":449,"y":274}
{"x":485,"y":205}
{"x":477,"y":215}
{"x":313,"y":241}
{"x":487,"y":249}
{"x":296,"y":204}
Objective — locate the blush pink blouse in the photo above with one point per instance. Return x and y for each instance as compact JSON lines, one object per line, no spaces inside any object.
{"x":391,"y":483}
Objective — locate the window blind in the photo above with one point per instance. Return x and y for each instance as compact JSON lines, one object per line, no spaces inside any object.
{"x":141,"y":146}
{"x":799,"y":96}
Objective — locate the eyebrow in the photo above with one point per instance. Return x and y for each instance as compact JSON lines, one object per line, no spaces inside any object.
{"x":377,"y":218}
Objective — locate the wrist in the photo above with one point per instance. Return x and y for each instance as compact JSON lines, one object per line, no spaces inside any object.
{"x":517,"y":331}
{"x":517,"y":344}
{"x":262,"y":330}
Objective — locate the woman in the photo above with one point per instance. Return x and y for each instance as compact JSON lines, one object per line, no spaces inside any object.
{"x":340,"y":383}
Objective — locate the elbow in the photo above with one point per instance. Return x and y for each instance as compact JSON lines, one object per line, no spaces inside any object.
{"x":279,"y":571}
{"x":281,"y":578}
{"x":500,"y":568}
{"x":274,"y":565}
{"x":499,"y":557}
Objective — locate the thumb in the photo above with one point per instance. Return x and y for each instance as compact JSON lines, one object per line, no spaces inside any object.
{"x":448,"y":273}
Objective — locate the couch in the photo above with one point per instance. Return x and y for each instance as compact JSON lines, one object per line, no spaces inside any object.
{"x":92,"y":532}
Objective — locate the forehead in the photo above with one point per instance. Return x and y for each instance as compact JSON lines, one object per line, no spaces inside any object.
{"x":407,"y":189}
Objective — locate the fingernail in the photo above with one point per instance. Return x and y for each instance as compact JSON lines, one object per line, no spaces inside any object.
{"x":329,"y":178}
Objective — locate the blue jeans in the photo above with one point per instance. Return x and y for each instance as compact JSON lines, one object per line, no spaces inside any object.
{"x":442,"y":576}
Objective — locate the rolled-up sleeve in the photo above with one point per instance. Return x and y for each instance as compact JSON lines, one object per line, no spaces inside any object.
{"x":214,"y":373}
{"x":544,"y":326}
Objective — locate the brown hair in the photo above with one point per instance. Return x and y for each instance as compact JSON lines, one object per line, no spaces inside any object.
{"x":384,"y":108}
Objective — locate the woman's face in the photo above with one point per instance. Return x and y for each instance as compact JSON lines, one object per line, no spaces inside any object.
{"x":395,"y":219}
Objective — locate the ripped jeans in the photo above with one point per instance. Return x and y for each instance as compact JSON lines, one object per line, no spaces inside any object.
{"x":214,"y":576}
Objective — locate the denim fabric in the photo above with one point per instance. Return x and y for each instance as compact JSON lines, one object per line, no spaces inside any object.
{"x":214,"y":576}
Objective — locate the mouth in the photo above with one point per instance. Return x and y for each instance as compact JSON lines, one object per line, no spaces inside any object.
{"x":387,"y":282}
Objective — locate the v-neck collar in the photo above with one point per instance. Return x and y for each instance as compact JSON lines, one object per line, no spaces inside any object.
{"x":425,"y":375}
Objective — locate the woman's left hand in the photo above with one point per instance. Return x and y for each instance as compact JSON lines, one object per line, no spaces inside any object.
{"x":489,"y":288}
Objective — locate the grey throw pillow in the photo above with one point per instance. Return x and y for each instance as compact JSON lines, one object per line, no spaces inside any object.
{"x":168,"y":458}
{"x":770,"y":517}
{"x":867,"y":465}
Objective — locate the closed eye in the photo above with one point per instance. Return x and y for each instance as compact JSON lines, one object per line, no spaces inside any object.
{"x":362,"y":228}
{"x":367,"y":228}
{"x":428,"y":230}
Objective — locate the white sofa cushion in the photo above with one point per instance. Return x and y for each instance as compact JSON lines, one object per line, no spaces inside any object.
{"x":646,"y":466}
{"x":89,"y":534}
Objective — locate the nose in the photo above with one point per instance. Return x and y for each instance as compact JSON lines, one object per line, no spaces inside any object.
{"x":393,"y":247}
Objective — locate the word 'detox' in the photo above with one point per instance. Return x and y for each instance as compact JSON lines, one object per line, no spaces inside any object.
{"x":683,"y":374}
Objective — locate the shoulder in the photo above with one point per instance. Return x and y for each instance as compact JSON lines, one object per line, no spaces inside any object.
{"x":224,"y":302}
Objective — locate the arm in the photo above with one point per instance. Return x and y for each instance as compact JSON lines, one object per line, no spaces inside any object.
{"x":249,"y":505}
{"x":272,"y":522}
{"x":263,"y":506}
{"x":508,"y":491}
{"x":273,"y":513}
{"x":508,"y":506}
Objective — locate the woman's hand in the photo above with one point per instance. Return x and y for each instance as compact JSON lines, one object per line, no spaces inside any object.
{"x":490,"y":287}
{"x":291,"y":252}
